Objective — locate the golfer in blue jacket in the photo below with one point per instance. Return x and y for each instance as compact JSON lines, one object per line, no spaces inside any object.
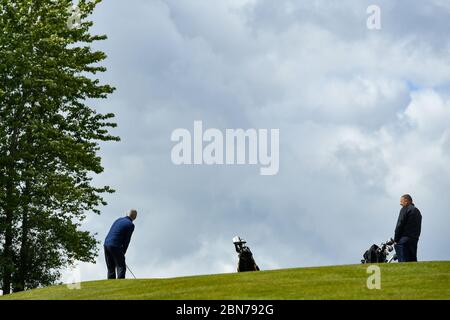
{"x":116,"y":245}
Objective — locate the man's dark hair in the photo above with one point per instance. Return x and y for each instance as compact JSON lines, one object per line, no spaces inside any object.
{"x":407,"y":197}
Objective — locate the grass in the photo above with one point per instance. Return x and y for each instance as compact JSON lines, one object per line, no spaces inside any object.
{"x":423,"y":280}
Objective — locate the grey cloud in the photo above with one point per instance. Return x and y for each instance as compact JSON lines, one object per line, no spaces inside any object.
{"x":339,"y":95}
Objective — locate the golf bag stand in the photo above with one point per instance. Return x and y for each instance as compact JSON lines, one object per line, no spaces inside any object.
{"x":380,"y":254}
{"x":246,"y":261}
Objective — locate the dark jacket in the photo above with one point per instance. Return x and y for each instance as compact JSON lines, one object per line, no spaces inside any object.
{"x":409,"y":223}
{"x":120,"y":234}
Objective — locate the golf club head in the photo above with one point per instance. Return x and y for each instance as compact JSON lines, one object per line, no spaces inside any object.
{"x":238,"y":240}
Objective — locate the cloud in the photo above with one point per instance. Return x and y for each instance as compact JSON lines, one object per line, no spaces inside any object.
{"x":363,"y":118}
{"x":429,"y":112}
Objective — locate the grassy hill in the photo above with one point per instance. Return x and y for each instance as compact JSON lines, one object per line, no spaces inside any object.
{"x":423,"y":280}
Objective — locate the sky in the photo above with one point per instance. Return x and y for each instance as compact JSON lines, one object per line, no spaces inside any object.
{"x":363,"y":117}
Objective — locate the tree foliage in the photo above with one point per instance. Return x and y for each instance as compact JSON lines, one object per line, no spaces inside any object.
{"x":49,"y":139}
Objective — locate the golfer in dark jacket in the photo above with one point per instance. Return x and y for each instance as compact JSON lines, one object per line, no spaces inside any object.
{"x":116,"y":245}
{"x":407,"y":231}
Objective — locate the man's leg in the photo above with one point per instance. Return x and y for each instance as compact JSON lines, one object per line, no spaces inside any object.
{"x":412,"y":250}
{"x":119,"y":259}
{"x":415,"y":250}
{"x":400,"y":250}
{"x":110,"y":263}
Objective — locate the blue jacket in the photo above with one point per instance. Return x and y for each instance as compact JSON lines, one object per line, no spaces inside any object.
{"x":120,"y":233}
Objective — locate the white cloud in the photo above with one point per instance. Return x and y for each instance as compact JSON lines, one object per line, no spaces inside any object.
{"x":363,"y":118}
{"x":429,"y":111}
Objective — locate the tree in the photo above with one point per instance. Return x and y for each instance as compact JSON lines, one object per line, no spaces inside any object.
{"x":49,"y":139}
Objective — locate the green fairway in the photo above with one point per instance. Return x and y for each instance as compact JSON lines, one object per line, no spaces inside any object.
{"x":424,"y":280}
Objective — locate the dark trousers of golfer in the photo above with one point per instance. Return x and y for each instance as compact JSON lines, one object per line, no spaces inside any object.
{"x":116,"y":245}
{"x":407,"y":233}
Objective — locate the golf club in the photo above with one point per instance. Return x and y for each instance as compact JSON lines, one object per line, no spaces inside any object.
{"x":131,"y":271}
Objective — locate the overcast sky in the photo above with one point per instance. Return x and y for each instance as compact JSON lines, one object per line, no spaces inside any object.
{"x":364,"y":117}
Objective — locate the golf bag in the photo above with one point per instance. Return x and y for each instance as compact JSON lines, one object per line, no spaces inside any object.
{"x":246,"y":261}
{"x":379,"y":254}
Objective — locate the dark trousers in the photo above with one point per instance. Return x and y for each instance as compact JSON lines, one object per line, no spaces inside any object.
{"x":115,"y":259}
{"x":406,"y":249}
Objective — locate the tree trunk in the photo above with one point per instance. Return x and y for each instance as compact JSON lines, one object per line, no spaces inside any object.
{"x":22,"y":268}
{"x":7,"y":247}
{"x":10,"y":207}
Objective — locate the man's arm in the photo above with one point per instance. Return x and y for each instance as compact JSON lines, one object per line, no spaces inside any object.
{"x":128,"y":238}
{"x":400,"y":225}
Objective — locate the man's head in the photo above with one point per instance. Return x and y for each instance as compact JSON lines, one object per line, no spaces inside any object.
{"x":405,"y":200}
{"x":132,"y":214}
